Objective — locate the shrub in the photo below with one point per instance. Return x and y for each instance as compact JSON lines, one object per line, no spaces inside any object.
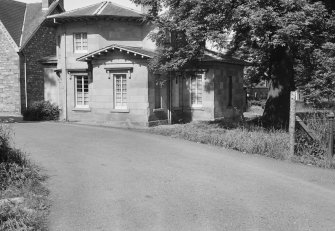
{"x":41,"y":111}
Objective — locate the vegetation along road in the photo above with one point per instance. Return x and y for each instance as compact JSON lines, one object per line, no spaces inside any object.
{"x":113,"y":179}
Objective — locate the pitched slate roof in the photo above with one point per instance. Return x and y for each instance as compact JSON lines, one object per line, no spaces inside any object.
{"x":88,"y":10}
{"x":101,"y":9}
{"x":136,"y":51}
{"x":12,"y":16}
{"x":212,"y":56}
{"x":113,"y":9}
{"x":22,"y":20}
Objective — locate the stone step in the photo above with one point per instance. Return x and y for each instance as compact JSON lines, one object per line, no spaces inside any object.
{"x":10,"y":118}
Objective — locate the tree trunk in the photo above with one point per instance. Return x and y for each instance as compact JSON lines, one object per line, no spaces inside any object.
{"x":277,"y":107}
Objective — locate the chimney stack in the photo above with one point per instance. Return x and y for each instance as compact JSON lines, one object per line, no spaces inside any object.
{"x":146,"y":9}
{"x":47,"y":3}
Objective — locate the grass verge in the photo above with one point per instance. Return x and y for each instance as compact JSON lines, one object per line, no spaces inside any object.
{"x":24,"y":201}
{"x":253,"y":139}
{"x":248,"y":139}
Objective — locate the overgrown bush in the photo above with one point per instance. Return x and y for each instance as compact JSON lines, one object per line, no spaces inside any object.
{"x":311,"y":151}
{"x":7,"y":153}
{"x":20,"y":179}
{"x":41,"y":111}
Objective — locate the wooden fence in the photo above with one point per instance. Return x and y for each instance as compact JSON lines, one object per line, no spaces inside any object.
{"x":294,"y":120}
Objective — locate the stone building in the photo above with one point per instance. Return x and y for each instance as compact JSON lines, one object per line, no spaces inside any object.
{"x":102,"y":76}
{"x":93,"y":63}
{"x":24,"y":41}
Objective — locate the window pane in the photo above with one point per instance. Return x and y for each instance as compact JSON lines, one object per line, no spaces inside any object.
{"x":196,"y":90}
{"x":120,"y":90}
{"x":82,"y":90}
{"x":158,"y":100}
{"x":80,"y":42}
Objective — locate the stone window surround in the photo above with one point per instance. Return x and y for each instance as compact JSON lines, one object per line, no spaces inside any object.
{"x":196,"y":105}
{"x":111,"y":75}
{"x":82,"y":105}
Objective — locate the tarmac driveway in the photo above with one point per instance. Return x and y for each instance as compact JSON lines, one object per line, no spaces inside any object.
{"x":113,"y":179}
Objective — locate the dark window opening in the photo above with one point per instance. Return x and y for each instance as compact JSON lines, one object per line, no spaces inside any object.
{"x":230,"y":91}
{"x":158,"y":94}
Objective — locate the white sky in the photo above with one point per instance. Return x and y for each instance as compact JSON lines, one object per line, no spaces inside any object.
{"x":74,"y":4}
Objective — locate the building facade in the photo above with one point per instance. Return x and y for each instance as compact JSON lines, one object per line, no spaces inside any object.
{"x":101,"y":74}
{"x":93,"y":63}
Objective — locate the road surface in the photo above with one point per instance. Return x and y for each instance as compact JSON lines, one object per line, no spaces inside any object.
{"x":114,"y":179}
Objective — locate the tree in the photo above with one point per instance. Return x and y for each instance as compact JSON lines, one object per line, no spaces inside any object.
{"x":283,"y":40}
{"x":330,"y":4}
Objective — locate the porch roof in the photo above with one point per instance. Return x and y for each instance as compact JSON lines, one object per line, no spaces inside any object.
{"x":136,"y":51}
{"x":209,"y":56}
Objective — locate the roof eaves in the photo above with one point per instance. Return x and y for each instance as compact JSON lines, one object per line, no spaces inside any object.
{"x":86,"y":58}
{"x":230,"y":61}
{"x":24,"y":21}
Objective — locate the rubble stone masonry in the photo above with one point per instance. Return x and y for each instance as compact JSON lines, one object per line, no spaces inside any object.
{"x":41,"y":45}
{"x":9,"y":77}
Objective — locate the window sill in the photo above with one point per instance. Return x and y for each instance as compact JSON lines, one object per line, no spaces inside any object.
{"x":197,"y":108}
{"x":120,"y":111}
{"x":194,"y":108}
{"x":80,"y":52}
{"x":159,"y":110}
{"x":82,"y":109}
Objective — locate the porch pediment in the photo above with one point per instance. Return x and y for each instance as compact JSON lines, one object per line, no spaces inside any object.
{"x":134,"y":51}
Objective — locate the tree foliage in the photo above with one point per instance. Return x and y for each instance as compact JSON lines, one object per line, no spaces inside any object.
{"x":289,"y":42}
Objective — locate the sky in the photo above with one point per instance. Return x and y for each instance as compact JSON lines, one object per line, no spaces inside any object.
{"x":73,"y":4}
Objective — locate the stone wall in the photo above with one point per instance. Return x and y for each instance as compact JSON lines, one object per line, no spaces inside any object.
{"x":9,"y":77}
{"x":223,"y":109}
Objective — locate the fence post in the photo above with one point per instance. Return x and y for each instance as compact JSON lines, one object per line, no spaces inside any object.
{"x":331,"y":138}
{"x":292,"y":122}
